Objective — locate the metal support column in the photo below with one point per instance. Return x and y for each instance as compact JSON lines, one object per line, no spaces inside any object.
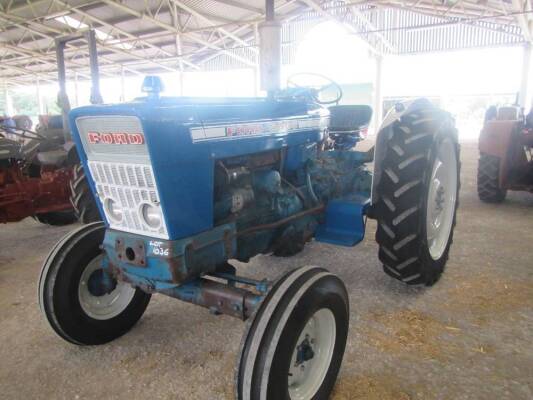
{"x":270,"y":50}
{"x":122,"y":85}
{"x":96,"y":96}
{"x":180,"y":61}
{"x":257,"y":67}
{"x":179,"y":53}
{"x":76,"y":91}
{"x":39,"y":96}
{"x":524,"y":94}
{"x":8,"y":104}
{"x":63,"y":101}
{"x":378,"y":94}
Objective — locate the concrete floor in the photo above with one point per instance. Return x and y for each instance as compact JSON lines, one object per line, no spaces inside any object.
{"x":468,"y":337}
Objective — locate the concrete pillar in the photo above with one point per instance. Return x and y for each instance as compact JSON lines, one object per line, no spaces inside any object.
{"x":378,"y":94}
{"x":524,"y":94}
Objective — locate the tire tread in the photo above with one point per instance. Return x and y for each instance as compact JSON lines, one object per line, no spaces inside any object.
{"x":400,"y":209}
{"x":488,"y":186}
{"x":82,"y":198}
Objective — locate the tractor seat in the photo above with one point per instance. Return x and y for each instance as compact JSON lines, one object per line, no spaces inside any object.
{"x":348,"y":118}
{"x":52,"y":157}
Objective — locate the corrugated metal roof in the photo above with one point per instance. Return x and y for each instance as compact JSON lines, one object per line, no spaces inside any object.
{"x":152,"y":35}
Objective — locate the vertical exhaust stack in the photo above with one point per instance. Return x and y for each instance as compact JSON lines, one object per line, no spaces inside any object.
{"x":270,"y":50}
{"x":96,"y":96}
{"x":62,"y":97}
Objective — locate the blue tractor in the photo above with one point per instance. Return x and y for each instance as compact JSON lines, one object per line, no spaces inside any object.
{"x":185,"y":185}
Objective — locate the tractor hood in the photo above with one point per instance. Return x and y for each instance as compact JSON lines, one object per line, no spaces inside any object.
{"x":199,"y":110}
{"x":163,"y":151}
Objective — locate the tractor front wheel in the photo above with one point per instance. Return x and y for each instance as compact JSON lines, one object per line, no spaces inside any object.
{"x":488,"y":179}
{"x":82,"y":303}
{"x":417,"y":196}
{"x":294,"y":344}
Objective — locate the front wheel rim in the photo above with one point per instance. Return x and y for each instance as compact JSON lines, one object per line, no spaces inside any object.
{"x":312,"y":355}
{"x":442,"y":198}
{"x":107,"y":305}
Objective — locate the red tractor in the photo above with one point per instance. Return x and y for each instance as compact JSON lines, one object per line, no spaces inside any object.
{"x":506,"y":153}
{"x":32,"y":183}
{"x":39,"y":177}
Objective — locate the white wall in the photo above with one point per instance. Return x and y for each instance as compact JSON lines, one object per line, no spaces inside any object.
{"x":466,"y":72}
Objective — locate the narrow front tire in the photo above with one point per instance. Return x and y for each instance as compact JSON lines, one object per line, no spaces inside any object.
{"x":82,"y":304}
{"x":295,"y":342}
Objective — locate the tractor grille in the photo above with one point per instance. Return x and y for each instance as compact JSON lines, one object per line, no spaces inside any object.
{"x":129,"y":186}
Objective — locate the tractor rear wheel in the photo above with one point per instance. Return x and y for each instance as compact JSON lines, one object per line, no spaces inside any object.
{"x":417,"y":196}
{"x":57,"y":218}
{"x":488,"y":179}
{"x":82,"y":198}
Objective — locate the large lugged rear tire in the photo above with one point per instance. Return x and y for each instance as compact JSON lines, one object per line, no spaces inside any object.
{"x":82,"y":198}
{"x":418,"y":196}
{"x":57,"y":218}
{"x":488,"y":179}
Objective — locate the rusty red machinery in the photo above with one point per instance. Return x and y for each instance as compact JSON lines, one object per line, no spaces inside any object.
{"x":40,"y":172}
{"x":46,"y":197}
{"x":35,"y":175}
{"x":506,"y":154}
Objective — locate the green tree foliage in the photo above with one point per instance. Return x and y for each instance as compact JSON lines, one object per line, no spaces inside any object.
{"x":25,"y":103}
{"x":50,"y":105}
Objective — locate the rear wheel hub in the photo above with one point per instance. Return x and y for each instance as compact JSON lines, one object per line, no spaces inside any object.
{"x":442,"y":197}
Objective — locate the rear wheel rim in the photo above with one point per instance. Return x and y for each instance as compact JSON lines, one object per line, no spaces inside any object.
{"x":105,"y":306}
{"x":312,"y":355}
{"x":442,"y":198}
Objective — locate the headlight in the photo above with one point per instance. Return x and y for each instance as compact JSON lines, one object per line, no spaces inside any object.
{"x":151,"y":215}
{"x":113,"y":210}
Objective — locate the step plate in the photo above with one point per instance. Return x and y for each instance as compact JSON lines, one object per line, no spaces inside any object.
{"x":345,"y":222}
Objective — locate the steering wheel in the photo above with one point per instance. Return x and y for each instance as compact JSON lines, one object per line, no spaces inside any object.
{"x":314,"y":91}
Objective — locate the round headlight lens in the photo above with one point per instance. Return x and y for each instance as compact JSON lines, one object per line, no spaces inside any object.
{"x":151,"y":215}
{"x":113,"y":209}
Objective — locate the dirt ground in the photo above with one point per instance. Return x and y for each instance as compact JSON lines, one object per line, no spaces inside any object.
{"x":468,"y":337}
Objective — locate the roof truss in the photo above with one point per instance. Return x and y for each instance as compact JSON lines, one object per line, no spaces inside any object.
{"x":143,"y":36}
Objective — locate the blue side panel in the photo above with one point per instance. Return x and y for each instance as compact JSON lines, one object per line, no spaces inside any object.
{"x":184,"y":177}
{"x":345,"y":222}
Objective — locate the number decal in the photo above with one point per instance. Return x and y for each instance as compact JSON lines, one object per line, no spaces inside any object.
{"x":158,"y":248}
